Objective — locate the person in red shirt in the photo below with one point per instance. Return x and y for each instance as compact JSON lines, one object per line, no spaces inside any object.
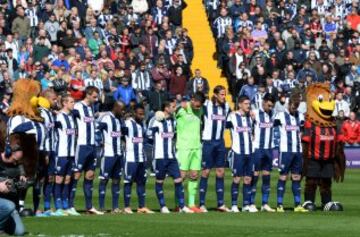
{"x":351,"y":129}
{"x":77,"y":87}
{"x":177,"y":85}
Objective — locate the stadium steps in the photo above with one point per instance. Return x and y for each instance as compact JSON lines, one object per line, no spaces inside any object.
{"x":195,"y":20}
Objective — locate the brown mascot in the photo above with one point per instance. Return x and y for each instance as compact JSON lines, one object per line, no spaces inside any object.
{"x":21,"y":132}
{"x":323,"y":149}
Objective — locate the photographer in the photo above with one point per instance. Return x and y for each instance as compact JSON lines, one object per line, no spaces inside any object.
{"x":10,"y":221}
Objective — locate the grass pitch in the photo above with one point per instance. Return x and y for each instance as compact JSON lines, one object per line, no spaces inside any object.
{"x":317,"y":224}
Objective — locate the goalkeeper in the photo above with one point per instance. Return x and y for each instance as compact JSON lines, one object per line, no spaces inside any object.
{"x":188,"y":145}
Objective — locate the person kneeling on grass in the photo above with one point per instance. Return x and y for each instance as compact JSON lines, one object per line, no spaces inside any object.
{"x":135,"y":166}
{"x":162,"y":130}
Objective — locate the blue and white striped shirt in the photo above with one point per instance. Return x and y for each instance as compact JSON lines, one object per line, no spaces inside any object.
{"x":163,"y":133}
{"x":134,"y":139}
{"x":214,"y":120}
{"x":263,"y":130}
{"x":49,"y":122}
{"x":66,"y":130}
{"x":85,"y":123}
{"x":111,"y":130}
{"x":241,"y":130}
{"x":290,"y":140}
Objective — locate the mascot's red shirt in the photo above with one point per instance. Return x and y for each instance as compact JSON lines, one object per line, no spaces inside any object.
{"x":351,"y":131}
{"x":322,"y":141}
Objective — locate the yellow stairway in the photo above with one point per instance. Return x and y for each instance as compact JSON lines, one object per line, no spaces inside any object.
{"x":195,"y":20}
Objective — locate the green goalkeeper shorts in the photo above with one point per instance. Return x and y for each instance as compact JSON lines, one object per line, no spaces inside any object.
{"x":189,"y":159}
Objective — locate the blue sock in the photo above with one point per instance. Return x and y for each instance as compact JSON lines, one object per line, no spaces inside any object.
{"x":48,"y":190}
{"x":246,"y":194}
{"x":202,"y":190}
{"x":140,"y":189}
{"x":88,"y":188}
{"x":65,"y":196}
{"x":265,"y":189}
{"x":127,"y":194}
{"x":219,"y":183}
{"x":102,"y":191}
{"x":254,"y":182}
{"x":36,"y":195}
{"x":179,"y":193}
{"x":115,"y":192}
{"x":280,"y":192}
{"x":160,"y":193}
{"x":73,"y":185}
{"x":234,"y":194}
{"x":57,"y":192}
{"x":296,"y":189}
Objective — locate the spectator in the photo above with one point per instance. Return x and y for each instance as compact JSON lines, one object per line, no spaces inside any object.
{"x":77,"y":87}
{"x":156,"y":97}
{"x":175,"y":12}
{"x":249,"y":89}
{"x":177,"y":84}
{"x":125,"y":92}
{"x":21,"y":24}
{"x":341,"y":105}
{"x":351,"y":129}
{"x":141,"y":79}
{"x":198,"y":82}
{"x":40,"y":49}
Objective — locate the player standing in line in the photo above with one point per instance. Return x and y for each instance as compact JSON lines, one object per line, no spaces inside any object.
{"x":188,"y":145}
{"x":47,"y":177}
{"x":241,"y":164}
{"x":290,"y":158}
{"x":111,"y":162}
{"x":135,"y":166}
{"x":162,"y":130}
{"x":213,"y":147}
{"x":263,"y":152}
{"x":65,"y":153}
{"x":85,"y":157}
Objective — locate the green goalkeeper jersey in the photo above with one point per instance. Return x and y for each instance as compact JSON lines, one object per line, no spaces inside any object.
{"x":188,"y":125}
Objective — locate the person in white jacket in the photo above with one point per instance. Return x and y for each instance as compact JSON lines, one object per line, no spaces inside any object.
{"x":140,"y":6}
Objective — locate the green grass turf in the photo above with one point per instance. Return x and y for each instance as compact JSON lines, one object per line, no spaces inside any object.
{"x":342,"y":224}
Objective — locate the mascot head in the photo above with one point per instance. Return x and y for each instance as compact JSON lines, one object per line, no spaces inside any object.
{"x":320,"y":104}
{"x":25,"y":101}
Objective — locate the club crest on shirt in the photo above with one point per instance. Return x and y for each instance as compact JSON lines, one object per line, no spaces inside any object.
{"x":265,"y":125}
{"x":88,"y":119}
{"x":291,"y":128}
{"x":167,"y":135}
{"x":243,"y":129}
{"x":218,"y":117}
{"x":70,"y":131}
{"x":50,"y":125}
{"x":115,"y":134}
{"x":137,"y":139}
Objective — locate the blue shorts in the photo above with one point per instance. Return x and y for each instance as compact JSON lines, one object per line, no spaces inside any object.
{"x":64,"y":166}
{"x":167,"y":166}
{"x":135,"y":172}
{"x":85,"y":158}
{"x":290,"y":162}
{"x":213,"y":154}
{"x":241,"y":165}
{"x":51,"y":167}
{"x":263,"y":159}
{"x":110,"y":167}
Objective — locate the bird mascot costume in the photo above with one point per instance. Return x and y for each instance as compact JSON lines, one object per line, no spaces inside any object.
{"x":323,"y":148}
{"x":21,"y":129}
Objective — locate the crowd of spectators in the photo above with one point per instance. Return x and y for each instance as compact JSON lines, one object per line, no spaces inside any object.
{"x":136,"y":51}
{"x":278,"y":46}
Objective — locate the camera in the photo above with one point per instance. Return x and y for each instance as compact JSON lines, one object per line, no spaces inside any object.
{"x":15,"y":184}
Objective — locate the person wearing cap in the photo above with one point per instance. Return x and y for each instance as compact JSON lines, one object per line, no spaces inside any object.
{"x":125,"y":92}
